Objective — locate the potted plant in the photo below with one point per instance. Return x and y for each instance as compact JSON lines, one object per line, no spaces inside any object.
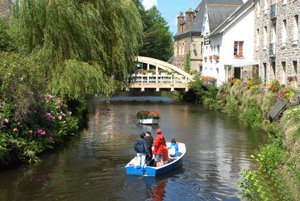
{"x":216,"y":57}
{"x":148,"y":117}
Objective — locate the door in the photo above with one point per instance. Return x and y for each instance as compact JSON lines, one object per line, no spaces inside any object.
{"x":237,"y":73}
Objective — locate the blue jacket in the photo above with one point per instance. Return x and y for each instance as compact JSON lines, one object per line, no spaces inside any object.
{"x":173,"y":148}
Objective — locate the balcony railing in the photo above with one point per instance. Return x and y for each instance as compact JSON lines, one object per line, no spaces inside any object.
{"x":272,"y":49}
{"x":273,"y":11}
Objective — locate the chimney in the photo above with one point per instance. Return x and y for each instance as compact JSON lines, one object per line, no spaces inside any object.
{"x":189,"y":19}
{"x":180,"y":22}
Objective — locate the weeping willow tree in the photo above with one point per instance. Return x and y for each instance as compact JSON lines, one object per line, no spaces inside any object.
{"x":86,"y":46}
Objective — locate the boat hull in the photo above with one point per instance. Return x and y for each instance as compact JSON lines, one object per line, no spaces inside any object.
{"x":176,"y":162}
{"x":148,"y":121}
{"x":152,"y":171}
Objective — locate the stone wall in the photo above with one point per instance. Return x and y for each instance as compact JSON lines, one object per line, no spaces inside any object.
{"x":286,"y":54}
{"x":181,"y":48}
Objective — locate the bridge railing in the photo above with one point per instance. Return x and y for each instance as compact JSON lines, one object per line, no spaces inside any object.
{"x":158,"y":78}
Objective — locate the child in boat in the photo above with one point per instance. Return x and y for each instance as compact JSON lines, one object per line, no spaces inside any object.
{"x":173,"y":149}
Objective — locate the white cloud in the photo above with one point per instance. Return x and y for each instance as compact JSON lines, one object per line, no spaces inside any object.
{"x":149,"y":3}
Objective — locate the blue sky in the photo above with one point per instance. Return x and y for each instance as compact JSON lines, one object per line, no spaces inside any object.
{"x":170,"y":9}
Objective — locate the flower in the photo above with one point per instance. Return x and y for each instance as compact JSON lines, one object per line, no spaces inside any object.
{"x":59,"y":102}
{"x":30,"y":132}
{"x":59,"y":117}
{"x":6,"y":120}
{"x":15,"y":130}
{"x":41,"y":132}
{"x":49,"y":116}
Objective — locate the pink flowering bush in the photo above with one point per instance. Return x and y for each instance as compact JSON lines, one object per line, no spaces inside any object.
{"x":30,"y":122}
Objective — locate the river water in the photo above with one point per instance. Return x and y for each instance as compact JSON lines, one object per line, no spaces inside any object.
{"x":91,"y":166}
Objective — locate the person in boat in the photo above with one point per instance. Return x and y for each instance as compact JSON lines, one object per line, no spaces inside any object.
{"x":173,"y":148}
{"x":159,"y":144}
{"x":140,"y":146}
{"x":149,"y":141}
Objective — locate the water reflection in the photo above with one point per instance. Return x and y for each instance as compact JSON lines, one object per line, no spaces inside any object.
{"x":91,"y":167}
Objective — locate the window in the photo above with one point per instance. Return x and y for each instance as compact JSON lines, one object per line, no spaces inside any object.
{"x":273,"y":67}
{"x":181,"y":28}
{"x":283,"y":78}
{"x":283,"y":33}
{"x":238,"y":49}
{"x":265,"y":72}
{"x":257,"y":39}
{"x":265,"y":38}
{"x":295,"y":30}
{"x":295,"y":65}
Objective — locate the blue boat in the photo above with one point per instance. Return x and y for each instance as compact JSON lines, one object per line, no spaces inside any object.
{"x":172,"y":164}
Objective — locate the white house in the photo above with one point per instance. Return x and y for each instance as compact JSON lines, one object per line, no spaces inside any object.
{"x":229,"y":49}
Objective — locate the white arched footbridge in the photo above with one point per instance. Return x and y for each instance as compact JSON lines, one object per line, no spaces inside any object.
{"x":156,"y":74}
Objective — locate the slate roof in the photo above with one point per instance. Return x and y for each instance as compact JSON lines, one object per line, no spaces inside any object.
{"x":217,"y":15}
{"x":218,"y":10}
{"x":232,"y":17}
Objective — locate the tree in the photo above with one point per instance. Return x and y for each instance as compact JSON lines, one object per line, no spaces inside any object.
{"x":187,"y":64}
{"x":157,"y":41}
{"x":87,"y":46}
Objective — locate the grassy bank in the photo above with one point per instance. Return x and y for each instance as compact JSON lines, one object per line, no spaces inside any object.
{"x":278,"y":174}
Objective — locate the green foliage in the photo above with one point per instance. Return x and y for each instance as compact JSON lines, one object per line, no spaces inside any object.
{"x":252,"y":116}
{"x":74,"y":79}
{"x":103,"y":34}
{"x":187,"y":63}
{"x":157,"y":39}
{"x":5,"y":38}
{"x":268,"y":182}
{"x":22,"y":83}
{"x":196,"y":91}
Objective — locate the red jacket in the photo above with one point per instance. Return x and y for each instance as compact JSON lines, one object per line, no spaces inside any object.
{"x":159,"y":143}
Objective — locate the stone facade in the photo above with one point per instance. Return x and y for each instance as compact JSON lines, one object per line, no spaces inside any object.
{"x":187,"y":40}
{"x":5,"y":9}
{"x":188,"y":44}
{"x":277,"y":40}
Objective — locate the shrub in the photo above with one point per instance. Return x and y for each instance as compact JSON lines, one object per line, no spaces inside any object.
{"x":252,"y":116}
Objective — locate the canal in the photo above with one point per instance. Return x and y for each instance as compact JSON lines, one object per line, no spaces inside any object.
{"x":91,"y":166}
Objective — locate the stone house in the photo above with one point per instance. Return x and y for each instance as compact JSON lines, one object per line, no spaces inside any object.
{"x":229,"y":47}
{"x":188,"y":40}
{"x":190,"y":33}
{"x":277,"y":44}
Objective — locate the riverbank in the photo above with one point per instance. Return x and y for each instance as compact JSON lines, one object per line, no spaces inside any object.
{"x":278,"y":175}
